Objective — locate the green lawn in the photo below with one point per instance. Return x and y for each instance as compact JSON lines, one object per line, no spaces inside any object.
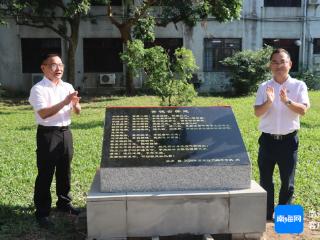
{"x":18,"y":167}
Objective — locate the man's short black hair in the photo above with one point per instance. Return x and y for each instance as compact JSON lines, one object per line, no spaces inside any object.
{"x":280,"y":50}
{"x":45,"y":56}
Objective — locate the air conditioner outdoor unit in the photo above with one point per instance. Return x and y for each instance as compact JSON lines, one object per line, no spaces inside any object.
{"x":107,"y":78}
{"x":36,"y":77}
{"x":314,"y":2}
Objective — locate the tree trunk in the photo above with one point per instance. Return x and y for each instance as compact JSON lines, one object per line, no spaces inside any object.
{"x":125,"y":31}
{"x":72,"y":47}
{"x":129,"y":83}
{"x":71,"y":63}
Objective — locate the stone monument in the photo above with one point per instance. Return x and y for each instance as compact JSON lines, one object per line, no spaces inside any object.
{"x":173,"y":170}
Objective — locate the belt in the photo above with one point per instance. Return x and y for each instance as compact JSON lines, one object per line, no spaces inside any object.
{"x":279,"y":137}
{"x":53,"y":128}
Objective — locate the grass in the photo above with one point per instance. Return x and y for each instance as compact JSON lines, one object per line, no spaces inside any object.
{"x":18,"y":167}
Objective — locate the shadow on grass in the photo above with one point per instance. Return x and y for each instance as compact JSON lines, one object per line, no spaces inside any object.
{"x":18,"y":222}
{"x":92,"y":99}
{"x":87,"y":125}
{"x":227,"y":95}
{"x":27,"y":128}
{"x":307,"y":125}
{"x":83,"y":126}
{"x":7,"y":113}
{"x":14,"y":101}
{"x":94,"y":107}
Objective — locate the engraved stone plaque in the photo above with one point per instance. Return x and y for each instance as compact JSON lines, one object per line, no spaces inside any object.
{"x":172,"y":148}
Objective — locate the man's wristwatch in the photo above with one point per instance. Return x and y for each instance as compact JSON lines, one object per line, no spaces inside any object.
{"x":288,"y":102}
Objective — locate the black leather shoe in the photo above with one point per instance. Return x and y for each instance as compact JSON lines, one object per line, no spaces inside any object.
{"x":69,"y":209}
{"x":44,"y":222}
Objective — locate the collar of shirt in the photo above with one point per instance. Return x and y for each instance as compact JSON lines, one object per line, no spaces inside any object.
{"x":50,"y":83}
{"x":288,"y":81}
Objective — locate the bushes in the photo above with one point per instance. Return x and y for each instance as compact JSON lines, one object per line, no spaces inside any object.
{"x":312,"y":80}
{"x":248,"y":68}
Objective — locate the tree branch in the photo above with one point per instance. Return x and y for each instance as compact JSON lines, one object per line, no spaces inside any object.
{"x":61,"y":5}
{"x":44,"y":25}
{"x":112,"y":19}
{"x":174,"y":20}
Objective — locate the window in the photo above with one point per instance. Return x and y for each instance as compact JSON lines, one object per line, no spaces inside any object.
{"x":33,"y":50}
{"x":103,"y":2}
{"x":102,"y":55}
{"x":169,"y":44}
{"x":282,"y":3}
{"x":316,"y":46}
{"x":160,"y":3}
{"x":216,"y":50}
{"x":289,"y":45}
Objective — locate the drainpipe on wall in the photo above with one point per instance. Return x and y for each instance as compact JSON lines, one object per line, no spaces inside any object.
{"x":304,"y":18}
{"x":308,"y":38}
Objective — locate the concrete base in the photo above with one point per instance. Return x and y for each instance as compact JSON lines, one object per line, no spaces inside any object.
{"x":121,"y":215}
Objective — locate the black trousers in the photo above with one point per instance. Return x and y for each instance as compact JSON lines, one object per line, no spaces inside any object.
{"x":54,"y":155}
{"x":283,"y":152}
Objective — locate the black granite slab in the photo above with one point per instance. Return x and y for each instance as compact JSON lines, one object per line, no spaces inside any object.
{"x":172,"y":136}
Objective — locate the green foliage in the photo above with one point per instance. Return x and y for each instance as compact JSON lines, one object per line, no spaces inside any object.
{"x":248,"y":68}
{"x":144,"y":29}
{"x":2,"y":21}
{"x":312,"y":80}
{"x":225,"y":10}
{"x":76,"y":7}
{"x":2,"y":17}
{"x":190,"y":11}
{"x":133,"y":56}
{"x":43,"y":14}
{"x":169,"y":80}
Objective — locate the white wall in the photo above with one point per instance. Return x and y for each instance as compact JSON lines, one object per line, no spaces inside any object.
{"x":10,"y":59}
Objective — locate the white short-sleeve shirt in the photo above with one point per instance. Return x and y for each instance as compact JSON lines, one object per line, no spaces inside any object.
{"x":46,"y":94}
{"x":279,"y":119}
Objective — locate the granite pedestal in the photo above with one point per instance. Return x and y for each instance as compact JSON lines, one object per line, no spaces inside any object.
{"x":167,"y":171}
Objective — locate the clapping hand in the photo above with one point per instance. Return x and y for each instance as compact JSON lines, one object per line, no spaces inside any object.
{"x":270,"y":94}
{"x":72,"y":98}
{"x":283,"y":95}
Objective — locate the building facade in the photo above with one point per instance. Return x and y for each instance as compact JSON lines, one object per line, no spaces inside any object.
{"x":291,"y":24}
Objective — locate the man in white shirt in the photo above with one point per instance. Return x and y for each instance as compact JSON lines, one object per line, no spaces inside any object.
{"x":279,"y":104}
{"x":53,"y":101}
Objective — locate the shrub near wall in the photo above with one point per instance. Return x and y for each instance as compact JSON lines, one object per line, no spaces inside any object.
{"x":168,"y":79}
{"x":312,"y":80}
{"x":248,"y":68}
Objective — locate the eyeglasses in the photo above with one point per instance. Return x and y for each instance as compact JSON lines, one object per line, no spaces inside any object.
{"x":54,"y":66}
{"x":279,"y":63}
